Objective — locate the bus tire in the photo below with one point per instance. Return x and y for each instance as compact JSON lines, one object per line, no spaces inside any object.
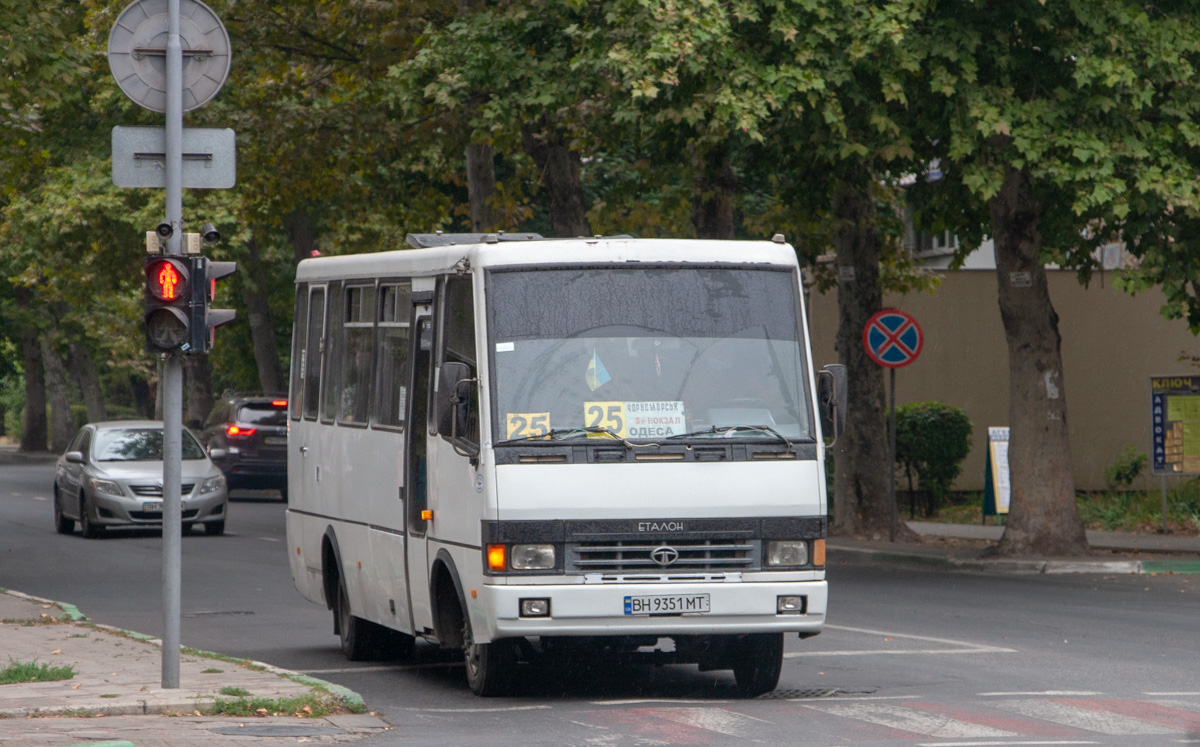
{"x":358,"y":636}
{"x":490,"y":666}
{"x":758,"y":661}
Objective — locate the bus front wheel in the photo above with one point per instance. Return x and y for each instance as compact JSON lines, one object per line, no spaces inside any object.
{"x":758,"y":661}
{"x":490,"y":666}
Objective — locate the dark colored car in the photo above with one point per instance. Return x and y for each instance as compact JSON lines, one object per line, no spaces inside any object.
{"x":251,"y":430}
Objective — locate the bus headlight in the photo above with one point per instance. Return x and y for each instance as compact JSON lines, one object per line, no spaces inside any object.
{"x":532,"y":557}
{"x":787,"y":552}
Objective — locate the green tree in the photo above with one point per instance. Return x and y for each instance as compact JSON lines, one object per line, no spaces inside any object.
{"x":1066,"y":121}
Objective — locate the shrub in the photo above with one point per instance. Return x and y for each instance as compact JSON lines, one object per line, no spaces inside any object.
{"x":1127,"y":468}
{"x":932,"y":439}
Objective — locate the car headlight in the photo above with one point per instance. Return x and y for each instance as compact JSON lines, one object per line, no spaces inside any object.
{"x":212,"y":484}
{"x":532,"y":557}
{"x":787,"y":552}
{"x":105,"y":486}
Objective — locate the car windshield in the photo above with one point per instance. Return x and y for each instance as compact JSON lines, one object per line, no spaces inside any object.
{"x":138,"y":445}
{"x":648,"y":354}
{"x":263,"y":413}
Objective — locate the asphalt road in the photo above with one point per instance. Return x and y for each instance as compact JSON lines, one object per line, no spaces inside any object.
{"x":908,"y":658}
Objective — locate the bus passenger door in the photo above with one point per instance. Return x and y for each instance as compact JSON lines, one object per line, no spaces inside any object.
{"x":302,"y":470}
{"x":416,"y":477}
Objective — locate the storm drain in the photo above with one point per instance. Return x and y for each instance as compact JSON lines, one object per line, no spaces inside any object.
{"x":812,"y":693}
{"x":277,"y":730}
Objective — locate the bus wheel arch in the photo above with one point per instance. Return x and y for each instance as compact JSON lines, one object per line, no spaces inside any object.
{"x":448,"y":601}
{"x":331,"y":567}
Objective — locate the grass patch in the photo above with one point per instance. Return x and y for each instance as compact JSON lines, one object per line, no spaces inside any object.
{"x":1112,"y":511}
{"x":33,"y":672}
{"x":234,"y":692}
{"x":212,"y":671}
{"x":110,"y":695}
{"x":305,"y":706}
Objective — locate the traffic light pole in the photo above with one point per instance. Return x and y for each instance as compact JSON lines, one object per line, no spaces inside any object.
{"x":172,"y":381}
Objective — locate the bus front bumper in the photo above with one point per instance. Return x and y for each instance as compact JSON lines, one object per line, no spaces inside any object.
{"x":618,"y":609}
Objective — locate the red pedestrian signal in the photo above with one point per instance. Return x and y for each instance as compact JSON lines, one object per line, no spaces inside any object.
{"x":168,"y":305}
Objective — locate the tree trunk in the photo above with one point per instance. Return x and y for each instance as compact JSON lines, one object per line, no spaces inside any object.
{"x":143,"y":397}
{"x":712,"y":199}
{"x":481,"y":187}
{"x":262,"y":331}
{"x":33,"y":422}
{"x":1043,"y":518}
{"x":198,"y":375}
{"x":83,"y":371}
{"x":300,"y":234}
{"x":861,"y":464}
{"x":559,"y":166}
{"x":61,"y":427}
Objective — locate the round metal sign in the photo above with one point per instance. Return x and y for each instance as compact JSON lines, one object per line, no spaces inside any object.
{"x":892,"y":338}
{"x":137,"y":53}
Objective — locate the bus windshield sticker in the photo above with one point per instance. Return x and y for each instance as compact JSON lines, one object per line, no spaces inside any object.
{"x":528,"y":424}
{"x":505,"y":347}
{"x":654,"y":419}
{"x":596,"y":375}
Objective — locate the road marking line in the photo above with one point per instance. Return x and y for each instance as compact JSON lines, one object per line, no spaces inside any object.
{"x":909,"y":652}
{"x":1082,"y":718}
{"x":1043,"y":692}
{"x":710,"y":719}
{"x":907,"y":719}
{"x":270,"y":539}
{"x":989,"y":744}
{"x":385,"y":668}
{"x":1175,"y":695}
{"x":642,"y":701}
{"x":931,"y":639}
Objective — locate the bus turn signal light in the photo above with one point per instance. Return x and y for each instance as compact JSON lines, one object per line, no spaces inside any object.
{"x":426,"y":515}
{"x":496,"y":556}
{"x":819,"y":552}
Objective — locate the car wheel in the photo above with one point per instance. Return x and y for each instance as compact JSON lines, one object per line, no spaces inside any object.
{"x":758,"y":662}
{"x":215,"y":528}
{"x":87,"y":527}
{"x":62,"y":524}
{"x":490,"y":666}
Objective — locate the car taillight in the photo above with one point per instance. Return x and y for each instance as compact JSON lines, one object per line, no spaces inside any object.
{"x":279,"y":403}
{"x":235,"y":431}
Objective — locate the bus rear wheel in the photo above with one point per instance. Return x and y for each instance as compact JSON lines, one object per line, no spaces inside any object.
{"x":490,"y":666}
{"x":359,"y":639}
{"x":758,"y":661}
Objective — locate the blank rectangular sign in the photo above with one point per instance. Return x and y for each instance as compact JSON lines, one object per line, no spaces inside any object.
{"x":139,"y":157}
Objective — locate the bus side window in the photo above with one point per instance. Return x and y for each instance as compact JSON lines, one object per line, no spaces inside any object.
{"x":391,"y":355}
{"x":334,"y":332}
{"x":458,"y":344}
{"x":312,"y":353}
{"x":299,"y":335}
{"x":356,"y":359}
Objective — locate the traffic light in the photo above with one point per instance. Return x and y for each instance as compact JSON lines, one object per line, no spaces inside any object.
{"x":204,"y":320}
{"x":168,"y":304}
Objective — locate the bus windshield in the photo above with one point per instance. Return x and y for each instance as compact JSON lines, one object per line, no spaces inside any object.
{"x":649,"y":353}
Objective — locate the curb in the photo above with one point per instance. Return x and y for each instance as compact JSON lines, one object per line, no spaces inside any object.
{"x":1020,"y":567}
{"x":348,"y":698}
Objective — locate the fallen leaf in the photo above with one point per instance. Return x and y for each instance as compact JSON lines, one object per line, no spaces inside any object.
{"x":196,"y":712}
{"x":56,"y":651}
{"x":262,"y":712}
{"x":888,"y":638}
{"x":77,"y":686}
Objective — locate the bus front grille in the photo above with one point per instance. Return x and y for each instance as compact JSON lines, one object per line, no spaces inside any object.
{"x":659,"y":557}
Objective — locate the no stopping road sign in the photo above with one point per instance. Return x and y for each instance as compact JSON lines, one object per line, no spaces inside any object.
{"x":892,"y":338}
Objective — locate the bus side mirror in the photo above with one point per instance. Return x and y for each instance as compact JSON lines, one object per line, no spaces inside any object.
{"x":832,"y":383}
{"x":454,"y":392}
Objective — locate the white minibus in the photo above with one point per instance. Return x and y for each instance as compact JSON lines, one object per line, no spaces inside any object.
{"x":522,"y":447}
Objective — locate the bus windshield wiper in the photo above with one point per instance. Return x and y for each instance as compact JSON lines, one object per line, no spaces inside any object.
{"x":727,"y":431}
{"x":560,"y":434}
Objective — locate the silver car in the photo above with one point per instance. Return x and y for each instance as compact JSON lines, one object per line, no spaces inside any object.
{"x":112,"y":476}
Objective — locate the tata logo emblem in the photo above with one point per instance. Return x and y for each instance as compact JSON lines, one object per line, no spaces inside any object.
{"x":664,"y":555}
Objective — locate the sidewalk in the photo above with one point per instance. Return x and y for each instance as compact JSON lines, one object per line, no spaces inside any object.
{"x":115,"y":694}
{"x":965,"y":547}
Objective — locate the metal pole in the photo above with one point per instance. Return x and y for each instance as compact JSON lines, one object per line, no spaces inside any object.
{"x":1163,"y":478}
{"x":892,"y":459}
{"x":172,"y":383}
